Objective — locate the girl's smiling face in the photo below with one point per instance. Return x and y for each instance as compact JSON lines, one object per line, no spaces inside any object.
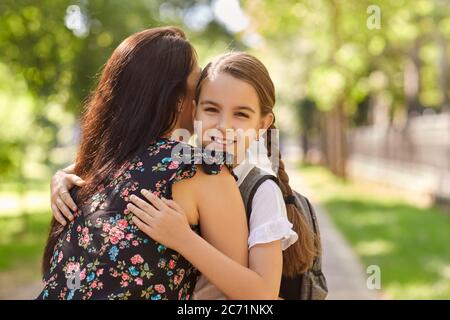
{"x":226,"y":107}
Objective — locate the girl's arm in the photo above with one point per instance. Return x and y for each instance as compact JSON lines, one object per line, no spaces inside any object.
{"x":167,"y":224}
{"x":261,"y":281}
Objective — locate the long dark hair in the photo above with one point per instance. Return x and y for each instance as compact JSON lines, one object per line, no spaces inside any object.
{"x":300,"y":255}
{"x":135,"y":103}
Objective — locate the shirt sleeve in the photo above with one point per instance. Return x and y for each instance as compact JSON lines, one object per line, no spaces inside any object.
{"x":268,"y":219}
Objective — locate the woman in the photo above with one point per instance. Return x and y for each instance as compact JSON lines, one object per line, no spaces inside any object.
{"x":140,"y":99}
{"x":235,"y":93}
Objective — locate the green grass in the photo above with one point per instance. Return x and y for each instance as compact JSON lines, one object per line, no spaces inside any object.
{"x":410,"y":244}
{"x":21,"y":244}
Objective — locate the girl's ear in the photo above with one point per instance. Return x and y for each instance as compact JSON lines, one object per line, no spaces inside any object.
{"x":266,"y":121}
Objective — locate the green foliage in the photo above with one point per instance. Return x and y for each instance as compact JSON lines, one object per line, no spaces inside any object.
{"x":331,"y":54}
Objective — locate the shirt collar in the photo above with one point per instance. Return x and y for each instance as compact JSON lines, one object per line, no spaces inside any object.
{"x":252,"y":160}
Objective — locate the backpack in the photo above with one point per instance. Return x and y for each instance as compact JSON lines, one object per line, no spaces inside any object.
{"x":310,"y":285}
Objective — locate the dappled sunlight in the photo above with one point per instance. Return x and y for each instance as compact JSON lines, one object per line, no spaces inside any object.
{"x":33,"y":202}
{"x":375,"y":248}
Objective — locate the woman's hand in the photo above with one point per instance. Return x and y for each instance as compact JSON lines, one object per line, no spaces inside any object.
{"x":165,"y":221}
{"x":61,"y":202}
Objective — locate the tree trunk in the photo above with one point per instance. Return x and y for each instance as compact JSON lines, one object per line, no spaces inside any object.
{"x":412,"y":80}
{"x":336,"y":140}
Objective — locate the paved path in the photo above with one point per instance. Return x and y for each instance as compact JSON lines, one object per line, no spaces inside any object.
{"x":345,"y":274}
{"x":19,"y":285}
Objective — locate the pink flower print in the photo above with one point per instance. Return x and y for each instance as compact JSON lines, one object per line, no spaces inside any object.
{"x":79,"y":228}
{"x":72,"y":267}
{"x":106,"y":227}
{"x":180,"y":293}
{"x":114,"y":240}
{"x":172,"y":264}
{"x":129,"y":236}
{"x":135,"y":243}
{"x":83,"y":274}
{"x":177,"y":279}
{"x":84,"y":241}
{"x":94,"y":284}
{"x":136,"y":259}
{"x":160,"y":288}
{"x":173,"y":165}
{"x":99,"y":272}
{"x":138,"y":281}
{"x":85,"y":231}
{"x":116,"y":232}
{"x":124,"y":194}
{"x":122,"y":224}
{"x":125,"y":277}
{"x":124,"y":283}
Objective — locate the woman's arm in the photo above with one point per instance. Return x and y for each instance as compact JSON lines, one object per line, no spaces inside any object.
{"x":61,"y":202}
{"x":166,"y":223}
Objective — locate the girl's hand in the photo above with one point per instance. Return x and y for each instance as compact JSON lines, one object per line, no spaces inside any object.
{"x":61,"y":202}
{"x":163,"y":220}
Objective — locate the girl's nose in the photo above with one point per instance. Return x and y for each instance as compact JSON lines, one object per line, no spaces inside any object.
{"x":224,"y":123}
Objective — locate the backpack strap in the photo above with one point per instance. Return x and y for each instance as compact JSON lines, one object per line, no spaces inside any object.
{"x":250,"y":185}
{"x":310,"y":215}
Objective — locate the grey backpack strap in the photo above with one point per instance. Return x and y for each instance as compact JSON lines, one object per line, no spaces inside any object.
{"x":310,"y":215}
{"x":250,"y":185}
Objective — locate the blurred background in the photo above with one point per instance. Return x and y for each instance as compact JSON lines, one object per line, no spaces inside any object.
{"x":362,"y":103}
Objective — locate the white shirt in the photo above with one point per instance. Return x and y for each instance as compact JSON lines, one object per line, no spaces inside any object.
{"x":268,"y":219}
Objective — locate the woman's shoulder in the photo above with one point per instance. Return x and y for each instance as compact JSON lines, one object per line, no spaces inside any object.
{"x":178,"y":160}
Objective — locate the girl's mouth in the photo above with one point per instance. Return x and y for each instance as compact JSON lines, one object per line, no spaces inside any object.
{"x":224,"y":142}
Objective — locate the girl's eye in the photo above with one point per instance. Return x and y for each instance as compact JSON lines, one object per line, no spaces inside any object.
{"x":242,"y":114}
{"x":209,"y":109}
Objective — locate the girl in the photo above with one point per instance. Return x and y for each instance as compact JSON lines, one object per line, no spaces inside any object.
{"x":236,"y":92}
{"x":125,"y":146}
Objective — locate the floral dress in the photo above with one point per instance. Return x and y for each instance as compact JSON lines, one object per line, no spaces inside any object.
{"x":101,"y":254}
